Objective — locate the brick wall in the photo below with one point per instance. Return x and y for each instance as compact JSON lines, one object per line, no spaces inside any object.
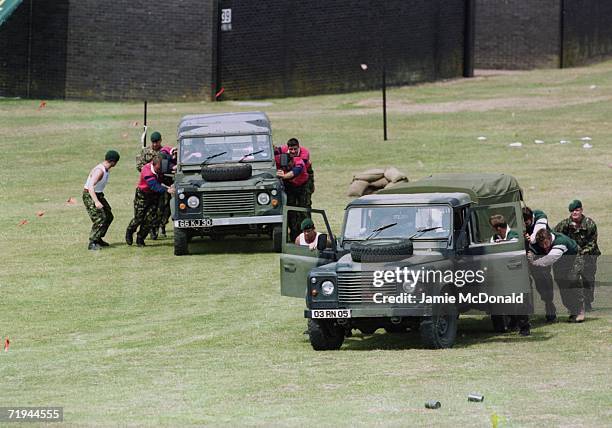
{"x":137,"y":49}
{"x":517,"y":34}
{"x":303,"y":47}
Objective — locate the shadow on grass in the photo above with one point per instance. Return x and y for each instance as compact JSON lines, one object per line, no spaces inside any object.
{"x":472,"y":331}
{"x":228,"y":245}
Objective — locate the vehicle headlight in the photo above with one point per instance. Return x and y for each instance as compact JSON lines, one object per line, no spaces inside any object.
{"x":274,"y":192}
{"x":193,"y":202}
{"x":327,"y":288}
{"x":409,"y":286}
{"x":181,"y":196}
{"x":263,"y":199}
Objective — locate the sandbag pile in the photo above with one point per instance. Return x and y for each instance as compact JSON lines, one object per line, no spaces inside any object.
{"x":367,"y":182}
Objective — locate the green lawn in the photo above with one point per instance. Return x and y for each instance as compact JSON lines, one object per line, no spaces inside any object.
{"x":140,"y":337}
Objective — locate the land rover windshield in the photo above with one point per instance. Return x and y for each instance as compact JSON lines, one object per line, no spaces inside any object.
{"x":385,"y":222}
{"x":235,"y":148}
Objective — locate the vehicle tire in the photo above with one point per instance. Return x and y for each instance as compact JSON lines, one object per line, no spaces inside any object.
{"x":499,"y":323}
{"x":277,"y":239}
{"x":181,"y":237}
{"x":381,"y":251}
{"x":325,"y":335}
{"x":227,"y":172}
{"x":440,"y":330}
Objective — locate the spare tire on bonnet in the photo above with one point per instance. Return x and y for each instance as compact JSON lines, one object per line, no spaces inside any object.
{"x":227,"y":172}
{"x":381,"y":250}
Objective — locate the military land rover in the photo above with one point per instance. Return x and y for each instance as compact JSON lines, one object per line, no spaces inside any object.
{"x":226,"y":180}
{"x":413,"y":257}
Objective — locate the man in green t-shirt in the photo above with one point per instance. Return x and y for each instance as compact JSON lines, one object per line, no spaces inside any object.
{"x":502,"y":230}
{"x":503,"y":233}
{"x":560,"y":252}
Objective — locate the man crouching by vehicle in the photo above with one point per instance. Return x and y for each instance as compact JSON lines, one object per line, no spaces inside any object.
{"x":146,"y":200}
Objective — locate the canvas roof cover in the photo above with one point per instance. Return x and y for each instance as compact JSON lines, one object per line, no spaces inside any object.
{"x":483,"y":188}
{"x":6,"y":9}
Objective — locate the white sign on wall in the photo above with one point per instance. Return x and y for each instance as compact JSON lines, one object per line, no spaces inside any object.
{"x":226,"y":19}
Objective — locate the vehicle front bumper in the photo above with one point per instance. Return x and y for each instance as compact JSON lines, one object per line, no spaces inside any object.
{"x":236,"y":221}
{"x":382,"y":312}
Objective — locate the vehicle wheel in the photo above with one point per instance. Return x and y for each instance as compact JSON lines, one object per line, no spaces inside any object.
{"x":181,"y":237}
{"x":381,"y":251}
{"x":499,"y":323}
{"x":227,"y":172}
{"x":440,"y":330}
{"x":277,"y":239}
{"x":325,"y":335}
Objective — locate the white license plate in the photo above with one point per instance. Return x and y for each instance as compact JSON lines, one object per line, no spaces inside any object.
{"x":331,"y":313}
{"x":200,"y":222}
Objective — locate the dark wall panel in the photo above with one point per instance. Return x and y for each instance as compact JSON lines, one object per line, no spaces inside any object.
{"x":304,"y":47}
{"x":517,"y":34}
{"x":588,"y":31}
{"x":14,"y":53}
{"x":33,"y":50}
{"x":136,"y":49}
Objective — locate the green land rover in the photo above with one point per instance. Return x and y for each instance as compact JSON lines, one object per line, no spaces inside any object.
{"x":413,"y":257}
{"x":226,"y":180}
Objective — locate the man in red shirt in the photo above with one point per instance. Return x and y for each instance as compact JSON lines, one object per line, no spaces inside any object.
{"x":146,"y":199}
{"x":295,"y":179}
{"x":295,"y":150}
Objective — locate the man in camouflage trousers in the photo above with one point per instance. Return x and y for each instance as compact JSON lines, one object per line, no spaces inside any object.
{"x":583,"y":230}
{"x":146,"y":155}
{"x":295,"y":179}
{"x":535,"y":221}
{"x":146,"y":200}
{"x":560,"y":252}
{"x":293,"y":148}
{"x":97,"y":206}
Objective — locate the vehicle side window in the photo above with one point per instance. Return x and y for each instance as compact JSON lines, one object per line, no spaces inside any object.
{"x":494,"y":224}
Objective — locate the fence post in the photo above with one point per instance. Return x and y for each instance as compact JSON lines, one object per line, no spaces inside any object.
{"x":468,"y":39}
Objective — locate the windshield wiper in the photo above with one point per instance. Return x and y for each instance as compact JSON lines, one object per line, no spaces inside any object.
{"x":251,"y":154}
{"x":428,"y":229}
{"x":212,"y":157}
{"x":380,"y":229}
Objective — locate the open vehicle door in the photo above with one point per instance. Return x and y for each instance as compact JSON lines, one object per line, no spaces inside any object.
{"x":504,"y":261}
{"x":296,"y":261}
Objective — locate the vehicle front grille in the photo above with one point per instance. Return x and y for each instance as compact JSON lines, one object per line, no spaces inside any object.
{"x":356,"y":287}
{"x":228,"y":203}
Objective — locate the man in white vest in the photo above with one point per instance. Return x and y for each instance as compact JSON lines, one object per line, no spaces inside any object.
{"x":96,"y":204}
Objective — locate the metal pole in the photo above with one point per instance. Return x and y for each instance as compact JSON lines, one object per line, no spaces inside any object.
{"x":469,"y":38}
{"x":219,"y":58}
{"x":29,"y":78}
{"x":561,"y":32}
{"x":384,"y":99}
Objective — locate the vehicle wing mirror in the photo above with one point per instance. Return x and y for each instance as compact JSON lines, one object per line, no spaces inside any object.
{"x":284,"y":160}
{"x":322,"y":241}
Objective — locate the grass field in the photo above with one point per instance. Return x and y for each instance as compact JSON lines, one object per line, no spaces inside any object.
{"x":135,"y":336}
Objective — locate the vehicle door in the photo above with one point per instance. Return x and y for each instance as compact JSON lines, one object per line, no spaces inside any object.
{"x":296,"y":261}
{"x":503,"y":262}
